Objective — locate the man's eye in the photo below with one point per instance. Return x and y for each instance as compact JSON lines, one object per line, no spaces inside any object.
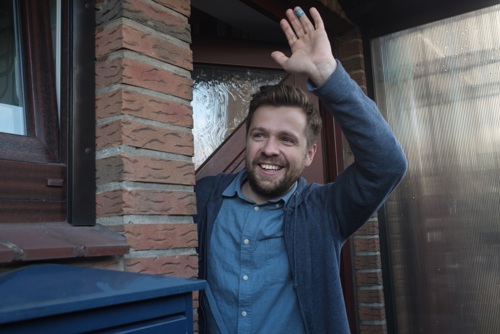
{"x":258,"y":135}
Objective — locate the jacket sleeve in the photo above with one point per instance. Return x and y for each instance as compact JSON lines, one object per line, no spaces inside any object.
{"x":379,"y":164}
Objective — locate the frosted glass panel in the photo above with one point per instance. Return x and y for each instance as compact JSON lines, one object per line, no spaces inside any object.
{"x":439,"y":87}
{"x":220,"y":99}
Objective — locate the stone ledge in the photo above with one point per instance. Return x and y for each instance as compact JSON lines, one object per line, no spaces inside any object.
{"x":46,"y":241}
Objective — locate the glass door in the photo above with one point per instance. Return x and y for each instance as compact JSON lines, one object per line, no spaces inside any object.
{"x":439,"y":88}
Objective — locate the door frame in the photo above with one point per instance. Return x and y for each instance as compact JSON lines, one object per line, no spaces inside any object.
{"x":243,"y":53}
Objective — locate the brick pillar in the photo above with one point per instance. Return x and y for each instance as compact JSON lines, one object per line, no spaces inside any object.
{"x":145,"y":173}
{"x":365,"y":243}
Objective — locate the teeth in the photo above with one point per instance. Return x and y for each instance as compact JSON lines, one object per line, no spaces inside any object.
{"x":270,"y":167}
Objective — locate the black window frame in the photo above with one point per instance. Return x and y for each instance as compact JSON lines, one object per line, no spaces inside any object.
{"x":81,"y":122}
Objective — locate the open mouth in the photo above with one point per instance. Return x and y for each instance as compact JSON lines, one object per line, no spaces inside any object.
{"x":268,"y":167}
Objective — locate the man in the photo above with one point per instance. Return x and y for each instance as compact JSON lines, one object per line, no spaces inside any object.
{"x":269,"y":243}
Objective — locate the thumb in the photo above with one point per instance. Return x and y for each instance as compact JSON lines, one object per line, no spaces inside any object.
{"x":280,"y":58}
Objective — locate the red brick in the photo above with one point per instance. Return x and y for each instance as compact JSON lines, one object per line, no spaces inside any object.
{"x":161,"y":236}
{"x":181,"y":6}
{"x":180,"y":265}
{"x":369,"y":228}
{"x":350,"y":48}
{"x":368,"y":279}
{"x":366,"y":244}
{"x":144,"y":169}
{"x":132,"y":72}
{"x":367,"y":262}
{"x":125,"y":132}
{"x":353,"y":64}
{"x":359,"y":77}
{"x":145,"y":202}
{"x":128,"y":102}
{"x":154,"y":16}
{"x":157,"y":18}
{"x":372,"y":296}
{"x":371,"y":313}
{"x":108,"y":40}
{"x":348,"y":36}
{"x":154,"y":46}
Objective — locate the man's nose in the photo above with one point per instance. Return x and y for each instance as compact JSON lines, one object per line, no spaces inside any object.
{"x":271,"y":147}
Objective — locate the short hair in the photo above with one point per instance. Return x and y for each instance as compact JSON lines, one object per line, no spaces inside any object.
{"x":285,"y":95}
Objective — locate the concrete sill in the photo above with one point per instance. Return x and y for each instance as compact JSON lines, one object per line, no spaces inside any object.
{"x":47,"y":241}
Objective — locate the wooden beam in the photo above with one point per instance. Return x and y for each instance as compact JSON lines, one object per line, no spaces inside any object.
{"x":335,"y":25}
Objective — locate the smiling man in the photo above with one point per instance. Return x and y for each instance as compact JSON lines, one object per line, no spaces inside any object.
{"x":269,"y":243}
{"x":277,"y":147}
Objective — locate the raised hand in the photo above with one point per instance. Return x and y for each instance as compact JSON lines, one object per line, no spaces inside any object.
{"x":309,"y":44}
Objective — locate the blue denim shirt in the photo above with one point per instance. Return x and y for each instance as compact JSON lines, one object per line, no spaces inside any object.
{"x":248,"y":268}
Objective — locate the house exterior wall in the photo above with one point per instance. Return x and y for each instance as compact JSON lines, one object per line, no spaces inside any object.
{"x":144,"y":146}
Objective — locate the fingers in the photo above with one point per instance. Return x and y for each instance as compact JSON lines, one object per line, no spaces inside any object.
{"x":300,"y":22}
{"x":302,"y":18}
{"x":288,"y":31}
{"x":297,"y":24}
{"x":318,"y":21}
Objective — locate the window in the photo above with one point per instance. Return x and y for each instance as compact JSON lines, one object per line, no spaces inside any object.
{"x":47,"y":111}
{"x":439,"y":87}
{"x":221,"y":96}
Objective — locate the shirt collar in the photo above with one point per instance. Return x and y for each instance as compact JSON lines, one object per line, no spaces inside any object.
{"x":234,"y":189}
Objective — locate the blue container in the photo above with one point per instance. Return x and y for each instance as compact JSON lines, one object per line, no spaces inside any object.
{"x":69,"y":299}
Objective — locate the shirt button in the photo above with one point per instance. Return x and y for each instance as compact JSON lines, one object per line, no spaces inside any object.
{"x":256,"y":208}
{"x":246,"y":241}
{"x":244,"y":313}
{"x":245,"y":277}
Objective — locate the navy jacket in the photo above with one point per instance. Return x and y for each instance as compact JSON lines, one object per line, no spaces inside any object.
{"x":319,"y":218}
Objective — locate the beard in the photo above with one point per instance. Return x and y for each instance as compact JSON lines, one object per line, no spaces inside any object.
{"x":272,"y":187}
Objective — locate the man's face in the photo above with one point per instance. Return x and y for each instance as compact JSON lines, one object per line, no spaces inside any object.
{"x":276,"y":151}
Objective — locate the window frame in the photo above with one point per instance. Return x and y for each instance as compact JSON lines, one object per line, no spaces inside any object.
{"x":81,"y":122}
{"x":49,"y":175}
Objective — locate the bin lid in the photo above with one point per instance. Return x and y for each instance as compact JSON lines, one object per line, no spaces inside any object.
{"x":41,"y":290}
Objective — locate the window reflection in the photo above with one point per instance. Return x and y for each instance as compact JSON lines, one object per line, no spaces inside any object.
{"x":12,"y":103}
{"x":220,"y":99}
{"x":439,"y":86}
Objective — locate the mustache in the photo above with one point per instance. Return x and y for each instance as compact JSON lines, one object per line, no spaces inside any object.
{"x":263,"y":159}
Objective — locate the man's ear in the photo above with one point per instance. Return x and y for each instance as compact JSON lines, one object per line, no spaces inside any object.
{"x":310,"y":155}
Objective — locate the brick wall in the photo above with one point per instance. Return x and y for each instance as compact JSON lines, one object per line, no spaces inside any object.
{"x":365,"y":245}
{"x":145,"y":174}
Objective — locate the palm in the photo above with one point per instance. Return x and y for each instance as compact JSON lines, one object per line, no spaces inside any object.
{"x":311,"y":52}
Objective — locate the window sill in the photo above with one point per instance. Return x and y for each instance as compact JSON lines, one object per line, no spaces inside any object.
{"x":48,"y":241}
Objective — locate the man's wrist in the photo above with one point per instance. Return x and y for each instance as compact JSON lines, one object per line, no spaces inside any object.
{"x":324,"y":71}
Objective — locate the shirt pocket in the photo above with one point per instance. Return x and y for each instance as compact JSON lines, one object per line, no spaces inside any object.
{"x":277,"y":266}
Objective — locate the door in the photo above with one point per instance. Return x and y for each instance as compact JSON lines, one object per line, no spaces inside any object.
{"x":439,"y":86}
{"x":226,"y":71}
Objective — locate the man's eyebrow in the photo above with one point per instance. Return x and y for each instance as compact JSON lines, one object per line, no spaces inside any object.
{"x":289,"y":134}
{"x":258,"y":128}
